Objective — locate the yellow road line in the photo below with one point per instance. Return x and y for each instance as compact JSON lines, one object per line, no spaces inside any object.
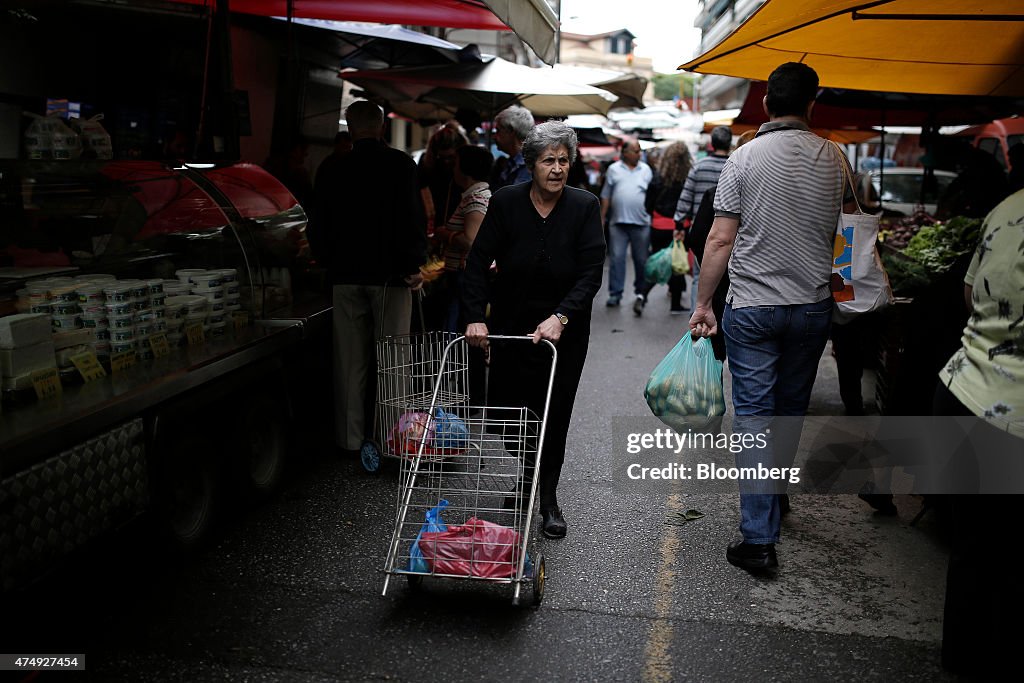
{"x":657,"y":655}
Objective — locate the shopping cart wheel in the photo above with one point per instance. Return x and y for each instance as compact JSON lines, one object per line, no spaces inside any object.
{"x":415,"y":583}
{"x":539,"y":576}
{"x":370,"y":456}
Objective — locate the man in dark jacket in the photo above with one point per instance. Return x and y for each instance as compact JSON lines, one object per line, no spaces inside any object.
{"x":369,"y":229}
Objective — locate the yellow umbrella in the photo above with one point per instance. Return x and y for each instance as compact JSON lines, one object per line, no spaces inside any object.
{"x":941,"y":47}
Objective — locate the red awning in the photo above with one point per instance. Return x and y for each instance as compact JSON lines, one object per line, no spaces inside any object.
{"x":532,"y":20}
{"x":450,"y":13}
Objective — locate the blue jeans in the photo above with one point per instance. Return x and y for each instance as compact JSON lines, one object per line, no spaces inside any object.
{"x":622,"y":235}
{"x":773,"y":358}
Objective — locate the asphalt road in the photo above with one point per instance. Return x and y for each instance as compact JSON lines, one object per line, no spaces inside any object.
{"x":291,"y":590}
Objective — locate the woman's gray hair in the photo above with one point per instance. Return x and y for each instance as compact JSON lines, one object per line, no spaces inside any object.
{"x":549,"y":134}
{"x":517,"y":119}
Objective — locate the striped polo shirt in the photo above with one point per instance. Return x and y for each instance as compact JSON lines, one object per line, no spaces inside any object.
{"x":703,"y":176}
{"x":474,"y":199}
{"x":786,"y":188}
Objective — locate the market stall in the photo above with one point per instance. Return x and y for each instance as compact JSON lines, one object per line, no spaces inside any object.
{"x":150,"y":347}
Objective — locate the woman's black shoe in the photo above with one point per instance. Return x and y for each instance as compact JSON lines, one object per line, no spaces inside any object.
{"x":552,"y":523}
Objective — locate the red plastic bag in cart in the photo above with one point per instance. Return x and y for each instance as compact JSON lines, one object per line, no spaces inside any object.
{"x":446,"y":434}
{"x":478,"y":548}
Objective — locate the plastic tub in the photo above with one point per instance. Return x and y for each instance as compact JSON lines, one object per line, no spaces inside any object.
{"x":205,"y":282}
{"x":173,"y":311}
{"x":121,"y":321}
{"x":191,"y":302}
{"x":94,"y":321}
{"x":64,"y":308}
{"x":122,"y":334}
{"x":121,"y":347}
{"x":118,"y":293}
{"x":66,"y":322}
{"x":91,"y":294}
{"x":216,"y":294}
{"x":101,"y":334}
{"x":176,"y":288}
{"x":157,"y":300}
{"x":216,"y":329}
{"x":119,"y":308}
{"x":143,"y":329}
{"x":156,"y":286}
{"x":139,"y":290}
{"x":185,"y":274}
{"x":44,"y":307}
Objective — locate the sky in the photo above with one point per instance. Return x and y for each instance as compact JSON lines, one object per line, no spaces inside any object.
{"x":663,"y":28}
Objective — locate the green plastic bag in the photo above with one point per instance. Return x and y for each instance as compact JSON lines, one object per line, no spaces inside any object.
{"x":680,"y":259}
{"x":685,"y":390}
{"x":659,"y":267}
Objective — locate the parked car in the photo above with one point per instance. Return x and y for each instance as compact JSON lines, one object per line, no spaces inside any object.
{"x":900,"y":189}
{"x":997,"y":138}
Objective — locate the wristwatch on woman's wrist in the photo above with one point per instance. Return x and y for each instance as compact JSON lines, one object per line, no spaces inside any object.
{"x":562,"y":318}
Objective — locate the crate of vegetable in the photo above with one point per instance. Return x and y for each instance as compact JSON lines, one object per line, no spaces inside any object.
{"x":930,"y":251}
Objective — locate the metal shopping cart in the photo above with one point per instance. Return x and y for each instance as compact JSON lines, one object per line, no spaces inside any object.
{"x":475,"y":472}
{"x":408,"y":368}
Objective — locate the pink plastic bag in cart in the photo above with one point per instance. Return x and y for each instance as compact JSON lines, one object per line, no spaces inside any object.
{"x":478,"y":548}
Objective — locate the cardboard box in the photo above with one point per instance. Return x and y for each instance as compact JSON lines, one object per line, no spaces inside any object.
{"x":24,"y":329}
{"x":24,"y":360}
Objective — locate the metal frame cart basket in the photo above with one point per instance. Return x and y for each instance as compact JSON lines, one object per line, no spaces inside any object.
{"x":474,"y":466}
{"x":409,"y":369}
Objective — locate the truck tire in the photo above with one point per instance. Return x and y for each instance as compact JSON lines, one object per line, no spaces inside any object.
{"x":186,"y":487}
{"x":262,"y":437}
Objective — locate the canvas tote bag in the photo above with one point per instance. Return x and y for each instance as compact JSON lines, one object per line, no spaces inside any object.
{"x":859,"y":282}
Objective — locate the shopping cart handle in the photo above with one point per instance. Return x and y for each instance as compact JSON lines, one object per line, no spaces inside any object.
{"x":522,"y":337}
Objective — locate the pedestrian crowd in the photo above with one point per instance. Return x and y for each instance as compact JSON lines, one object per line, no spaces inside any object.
{"x":524,"y":253}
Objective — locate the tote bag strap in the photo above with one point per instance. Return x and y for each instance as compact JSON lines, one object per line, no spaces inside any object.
{"x":847,"y":175}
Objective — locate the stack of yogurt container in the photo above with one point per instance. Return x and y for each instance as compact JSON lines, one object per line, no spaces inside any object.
{"x":121,"y":314}
{"x":219,"y":288}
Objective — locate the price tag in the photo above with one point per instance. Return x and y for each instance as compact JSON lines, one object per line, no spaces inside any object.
{"x":240,"y":318}
{"x":88,"y":366}
{"x":120,"y":362}
{"x":46,"y":383}
{"x":194,"y":333}
{"x":160,"y":345}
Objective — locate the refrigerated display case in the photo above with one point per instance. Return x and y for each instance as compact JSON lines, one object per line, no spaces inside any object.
{"x":165,"y":428}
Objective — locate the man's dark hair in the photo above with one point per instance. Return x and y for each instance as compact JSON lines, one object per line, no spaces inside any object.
{"x":721,"y":138}
{"x":342,"y":136}
{"x":791,"y":87}
{"x":474,"y":161}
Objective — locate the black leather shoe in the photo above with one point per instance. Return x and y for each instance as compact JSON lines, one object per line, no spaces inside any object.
{"x":754,"y":557}
{"x":552,"y":523}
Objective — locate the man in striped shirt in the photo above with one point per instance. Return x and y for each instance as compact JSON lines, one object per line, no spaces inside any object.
{"x":703,"y":176}
{"x":776,"y":208}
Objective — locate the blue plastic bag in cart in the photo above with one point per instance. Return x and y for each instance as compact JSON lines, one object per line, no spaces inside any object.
{"x":685,"y":390}
{"x":450,"y":432}
{"x":434,"y":523}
